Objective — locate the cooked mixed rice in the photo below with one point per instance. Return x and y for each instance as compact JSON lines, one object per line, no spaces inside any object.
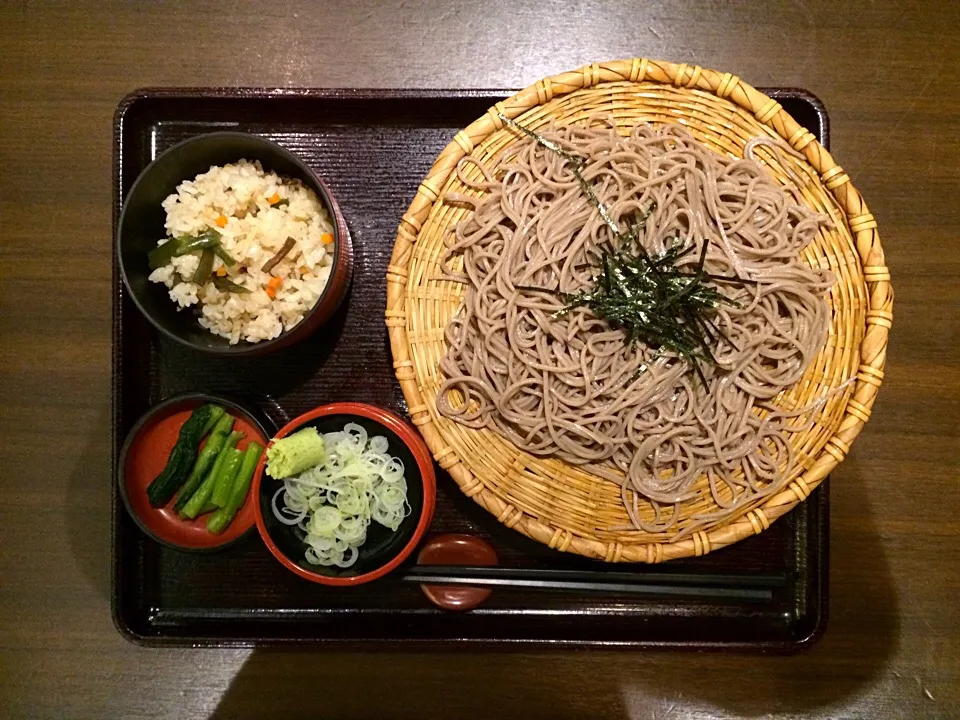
{"x":255,"y":213}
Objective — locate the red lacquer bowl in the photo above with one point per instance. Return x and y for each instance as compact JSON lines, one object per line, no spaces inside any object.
{"x":144,"y":456}
{"x":384,"y":549}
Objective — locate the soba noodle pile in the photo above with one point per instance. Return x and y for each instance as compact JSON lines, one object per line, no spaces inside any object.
{"x":563,"y":383}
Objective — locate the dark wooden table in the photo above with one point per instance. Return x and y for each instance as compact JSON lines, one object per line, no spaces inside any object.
{"x":888,"y":75}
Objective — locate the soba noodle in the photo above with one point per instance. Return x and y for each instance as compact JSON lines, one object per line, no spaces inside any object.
{"x":565,"y":384}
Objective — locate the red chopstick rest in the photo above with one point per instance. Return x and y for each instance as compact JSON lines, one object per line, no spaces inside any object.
{"x":455,"y":549}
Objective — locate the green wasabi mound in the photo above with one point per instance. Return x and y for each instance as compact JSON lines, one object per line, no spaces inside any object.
{"x":295,"y":453}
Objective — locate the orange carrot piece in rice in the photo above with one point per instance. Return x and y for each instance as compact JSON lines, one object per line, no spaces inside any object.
{"x":273,"y":286}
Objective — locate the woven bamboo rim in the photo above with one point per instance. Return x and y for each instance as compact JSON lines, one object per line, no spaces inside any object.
{"x":562,"y":506}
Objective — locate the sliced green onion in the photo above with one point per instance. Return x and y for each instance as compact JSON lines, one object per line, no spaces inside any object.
{"x":335,"y":501}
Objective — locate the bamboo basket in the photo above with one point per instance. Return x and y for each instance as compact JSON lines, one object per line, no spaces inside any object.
{"x":560,"y":505}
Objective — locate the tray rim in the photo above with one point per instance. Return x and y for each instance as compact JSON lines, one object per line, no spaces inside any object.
{"x":819,"y":577}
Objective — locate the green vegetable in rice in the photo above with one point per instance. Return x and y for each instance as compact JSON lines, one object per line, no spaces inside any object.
{"x":225,"y":257}
{"x":226,"y":285}
{"x":204,"y":267}
{"x":163,"y":254}
{"x":175,"y":247}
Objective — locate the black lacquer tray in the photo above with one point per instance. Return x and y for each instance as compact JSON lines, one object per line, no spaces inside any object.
{"x":373,"y":147}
